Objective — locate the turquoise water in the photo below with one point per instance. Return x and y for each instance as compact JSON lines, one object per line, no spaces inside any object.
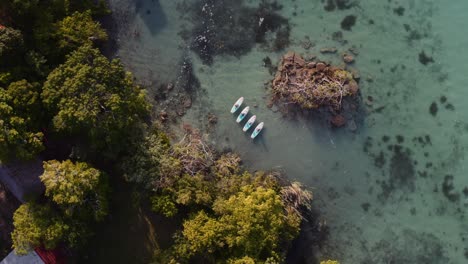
{"x":391,"y":190}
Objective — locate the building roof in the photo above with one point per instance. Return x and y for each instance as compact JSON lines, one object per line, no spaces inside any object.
{"x":54,"y":256}
{"x":31,"y":258}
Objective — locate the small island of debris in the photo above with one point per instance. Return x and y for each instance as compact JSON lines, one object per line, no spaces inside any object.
{"x":311,"y":84}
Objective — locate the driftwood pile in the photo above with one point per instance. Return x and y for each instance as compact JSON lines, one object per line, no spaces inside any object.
{"x":311,"y":84}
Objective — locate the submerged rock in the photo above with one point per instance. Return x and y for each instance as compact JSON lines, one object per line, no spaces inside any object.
{"x":348,"y":58}
{"x":328,"y":50}
{"x":338,"y":121}
{"x":187,"y":103}
{"x":234,"y":27}
{"x":212,"y":118}
{"x":348,"y":22}
{"x":163,"y":116}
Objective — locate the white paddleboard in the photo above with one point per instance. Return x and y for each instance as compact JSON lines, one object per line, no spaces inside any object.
{"x":249,"y":123}
{"x":242,"y":115}
{"x":257,"y":130}
{"x":237,"y":104}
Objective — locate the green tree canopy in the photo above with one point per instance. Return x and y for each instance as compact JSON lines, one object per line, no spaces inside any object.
{"x":90,"y":95}
{"x":37,"y":225}
{"x":25,"y":100}
{"x":49,"y":35}
{"x":11,"y":51}
{"x":247,"y":225}
{"x":329,"y":262}
{"x":79,"y":29}
{"x":150,"y":162}
{"x":20,"y":136}
{"x":76,"y":186}
{"x":10,"y":40}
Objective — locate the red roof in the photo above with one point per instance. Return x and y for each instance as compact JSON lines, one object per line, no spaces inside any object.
{"x":55,"y":256}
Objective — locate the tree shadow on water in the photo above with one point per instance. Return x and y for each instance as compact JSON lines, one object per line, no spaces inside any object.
{"x":152,"y":14}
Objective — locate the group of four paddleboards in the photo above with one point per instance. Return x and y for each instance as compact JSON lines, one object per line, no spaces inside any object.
{"x":243,"y":114}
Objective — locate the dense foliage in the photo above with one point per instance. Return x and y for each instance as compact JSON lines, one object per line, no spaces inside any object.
{"x":37,"y":225}
{"x":20,"y":135}
{"x":248,"y":223}
{"x":52,"y":79}
{"x":78,"y":196}
{"x":147,"y":164}
{"x":234,"y":216}
{"x":76,"y":187}
{"x":45,"y":26}
{"x":11,"y":40}
{"x":78,"y":30}
{"x":11,"y":49}
{"x":96,"y":98}
{"x":35,"y":37}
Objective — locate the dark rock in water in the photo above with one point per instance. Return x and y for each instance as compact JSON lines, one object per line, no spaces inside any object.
{"x":443,"y":99}
{"x":338,"y":121}
{"x":400,"y":138}
{"x":450,"y":107}
{"x":427,"y":140}
{"x":348,"y":22}
{"x":233,"y":28}
{"x":187,"y":79}
{"x":266,"y":62}
{"x":282,"y":38}
{"x":433,"y":109}
{"x":425,"y":59}
{"x":337,"y":36}
{"x":402,"y":172}
{"x":365,"y":206}
{"x":330,"y":5}
{"x":354,"y":50}
{"x":269,"y":65}
{"x":399,"y":10}
{"x":407,"y":27}
{"x":379,"y":160}
{"x":465,"y":191}
{"x":368,"y":144}
{"x":448,"y":189}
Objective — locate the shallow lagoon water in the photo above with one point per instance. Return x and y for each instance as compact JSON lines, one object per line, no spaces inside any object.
{"x":391,"y":191}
